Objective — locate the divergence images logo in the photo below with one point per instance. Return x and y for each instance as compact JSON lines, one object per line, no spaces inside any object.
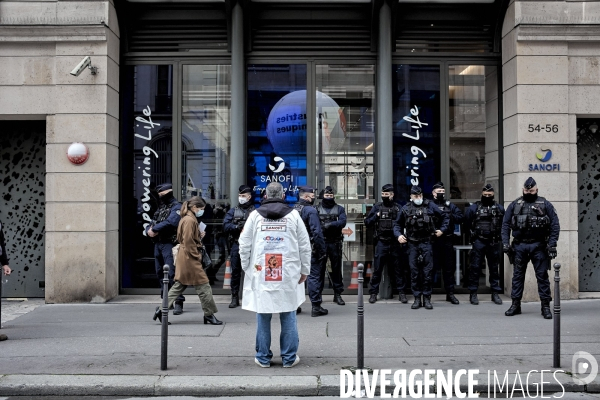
{"x":544,"y":157}
{"x":584,"y":368}
{"x":273,"y":239}
{"x":279,"y":168}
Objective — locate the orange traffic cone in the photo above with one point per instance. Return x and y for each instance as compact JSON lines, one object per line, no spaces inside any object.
{"x":227,"y":279}
{"x":354,"y":278}
{"x":369,"y":270}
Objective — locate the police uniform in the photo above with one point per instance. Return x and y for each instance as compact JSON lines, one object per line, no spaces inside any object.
{"x":419,"y":222}
{"x":316,"y":279}
{"x":233,"y":223}
{"x":387,"y":250}
{"x":333,"y":220}
{"x":165,"y":222}
{"x":484,"y":220}
{"x":535,"y":229}
{"x":443,"y":246}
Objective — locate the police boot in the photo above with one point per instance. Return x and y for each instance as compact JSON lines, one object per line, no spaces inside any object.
{"x":452,"y":298}
{"x":402,"y":298}
{"x":417,"y":304}
{"x":496,"y":299}
{"x":178,"y":308}
{"x":546,"y":309}
{"x":235,"y":300}
{"x":473,"y":298}
{"x":373,"y":298}
{"x":514,"y":309}
{"x":298,"y":310}
{"x":317,"y":311}
{"x":427,"y":302}
{"x":337,"y":298}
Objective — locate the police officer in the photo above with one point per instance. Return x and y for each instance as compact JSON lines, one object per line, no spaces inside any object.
{"x":387,"y":249}
{"x":484,"y":220}
{"x":5,"y":269}
{"x":535,"y":229}
{"x":418,"y":218}
{"x":233,"y":223}
{"x":333,"y":220}
{"x":163,"y":231}
{"x":443,"y":246}
{"x":316,"y":279}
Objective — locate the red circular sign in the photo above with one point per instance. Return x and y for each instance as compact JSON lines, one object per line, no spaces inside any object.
{"x":78,"y":153}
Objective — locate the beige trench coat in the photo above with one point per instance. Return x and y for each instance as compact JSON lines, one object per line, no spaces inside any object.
{"x":188,"y":268}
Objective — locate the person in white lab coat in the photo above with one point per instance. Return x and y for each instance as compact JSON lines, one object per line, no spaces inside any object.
{"x":275,"y":255}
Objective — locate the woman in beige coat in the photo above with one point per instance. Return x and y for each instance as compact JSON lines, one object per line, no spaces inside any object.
{"x":189,"y":271}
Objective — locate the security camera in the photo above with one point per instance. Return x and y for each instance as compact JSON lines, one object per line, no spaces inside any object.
{"x":86,"y":62}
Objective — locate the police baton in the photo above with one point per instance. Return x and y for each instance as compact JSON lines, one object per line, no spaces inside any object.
{"x":164,"y":334}
{"x":556,"y":315}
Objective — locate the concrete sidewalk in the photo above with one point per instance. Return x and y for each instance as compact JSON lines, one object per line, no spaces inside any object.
{"x":114,"y":348}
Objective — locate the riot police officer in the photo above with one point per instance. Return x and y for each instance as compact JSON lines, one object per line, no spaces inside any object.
{"x":484,"y":220}
{"x":387,"y":249}
{"x":443,"y":246}
{"x":535,"y":229}
{"x":163,"y":231}
{"x":333,"y":220}
{"x":310,"y":216}
{"x":418,"y":218}
{"x":233,"y":223}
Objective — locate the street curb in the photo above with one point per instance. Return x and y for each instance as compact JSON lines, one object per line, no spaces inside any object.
{"x":217,"y":386}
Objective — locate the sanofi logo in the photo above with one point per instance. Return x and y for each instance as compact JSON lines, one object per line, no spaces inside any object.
{"x":280,"y":167}
{"x":273,"y":239}
{"x":544,"y":157}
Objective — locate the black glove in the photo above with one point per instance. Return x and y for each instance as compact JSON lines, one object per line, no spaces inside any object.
{"x":551,"y":250}
{"x":240,"y":225}
{"x":326,"y":226}
{"x":506,"y":249}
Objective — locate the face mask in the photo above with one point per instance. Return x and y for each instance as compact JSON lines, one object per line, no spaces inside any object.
{"x":328,"y":202}
{"x":199,"y":213}
{"x":388,"y":200}
{"x":440,"y":196}
{"x":310,"y":200}
{"x":242,"y":200}
{"x":418,"y":202}
{"x":166,"y":198}
{"x":530,"y":197}
{"x":488,"y":201}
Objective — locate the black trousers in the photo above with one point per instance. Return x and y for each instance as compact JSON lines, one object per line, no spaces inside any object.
{"x":236,"y":268}
{"x":444,"y":260}
{"x":388,"y":253}
{"x":334,"y":254}
{"x":536,"y":253}
{"x":316,"y":280}
{"x":421,"y":273}
{"x":163,"y":255}
{"x":482,"y":250}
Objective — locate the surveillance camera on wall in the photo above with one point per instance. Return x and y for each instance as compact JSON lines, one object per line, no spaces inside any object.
{"x":85,"y":63}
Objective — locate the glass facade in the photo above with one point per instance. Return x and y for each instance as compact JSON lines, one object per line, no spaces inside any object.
{"x":306,"y":123}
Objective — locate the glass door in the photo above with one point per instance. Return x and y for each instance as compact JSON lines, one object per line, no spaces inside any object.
{"x":345,"y":139}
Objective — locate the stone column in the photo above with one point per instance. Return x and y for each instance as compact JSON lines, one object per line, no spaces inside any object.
{"x":237,"y":160}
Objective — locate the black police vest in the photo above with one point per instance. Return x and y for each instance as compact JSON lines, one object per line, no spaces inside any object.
{"x":531,"y":218}
{"x":168,"y":233}
{"x":299,"y":207}
{"x":488,"y":221}
{"x":240,"y":215}
{"x":385,"y":224}
{"x":445,"y":209}
{"x":327,"y":217}
{"x":419,"y":224}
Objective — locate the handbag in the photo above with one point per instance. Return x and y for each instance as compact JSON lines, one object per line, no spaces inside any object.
{"x":206,"y":260}
{"x":175,"y":250}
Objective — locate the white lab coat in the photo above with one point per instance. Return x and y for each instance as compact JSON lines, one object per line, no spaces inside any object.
{"x":273,"y":254}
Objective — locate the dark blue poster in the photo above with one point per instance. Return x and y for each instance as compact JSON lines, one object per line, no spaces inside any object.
{"x":276,"y":123}
{"x":416,"y":124}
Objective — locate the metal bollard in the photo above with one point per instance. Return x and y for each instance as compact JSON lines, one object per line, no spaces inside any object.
{"x":556,"y":315}
{"x":360,"y":338}
{"x":164,"y":334}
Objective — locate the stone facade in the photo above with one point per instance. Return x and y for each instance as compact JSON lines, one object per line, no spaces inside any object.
{"x":40,"y":43}
{"x":551,"y":73}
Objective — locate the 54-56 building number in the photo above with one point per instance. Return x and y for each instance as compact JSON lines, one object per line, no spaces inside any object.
{"x":541,"y":128}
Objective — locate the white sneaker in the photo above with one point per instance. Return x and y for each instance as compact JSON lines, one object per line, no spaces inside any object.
{"x":296,"y":361}
{"x":261,"y":365}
